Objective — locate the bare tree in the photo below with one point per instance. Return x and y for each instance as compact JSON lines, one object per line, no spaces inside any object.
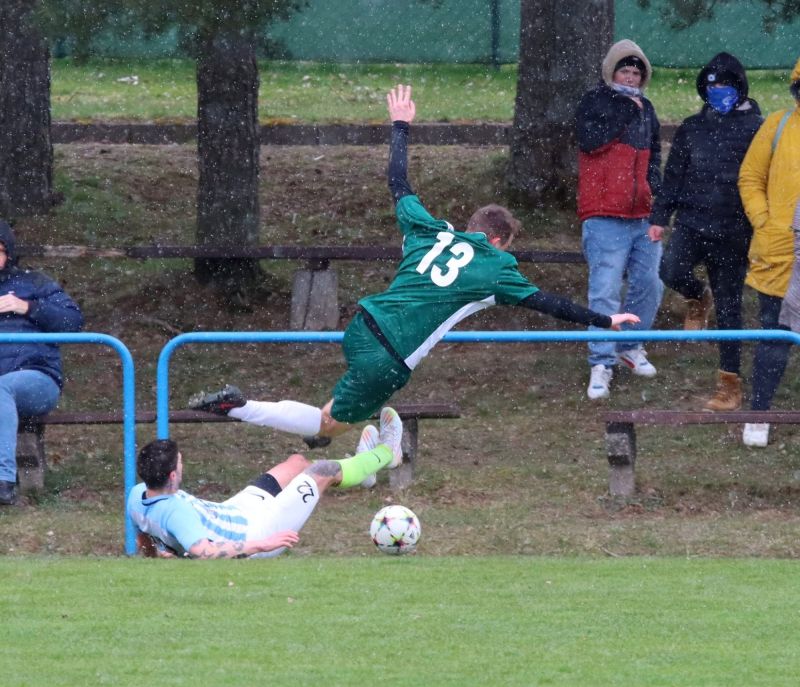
{"x":561,"y":48}
{"x":223,"y":37}
{"x":228,"y":147}
{"x":26,"y":151}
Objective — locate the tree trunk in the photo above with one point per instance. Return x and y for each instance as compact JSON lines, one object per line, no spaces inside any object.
{"x":228,"y":156}
{"x":26,"y":151}
{"x":561,"y":48}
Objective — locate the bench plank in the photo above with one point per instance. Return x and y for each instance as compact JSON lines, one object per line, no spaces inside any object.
{"x":319,"y":254}
{"x":31,"y":459}
{"x":681,"y":417}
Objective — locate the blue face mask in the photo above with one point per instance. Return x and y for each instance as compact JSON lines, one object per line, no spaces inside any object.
{"x":722,"y":98}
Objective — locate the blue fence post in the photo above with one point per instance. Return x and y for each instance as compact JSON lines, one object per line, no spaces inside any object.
{"x":128,"y":403}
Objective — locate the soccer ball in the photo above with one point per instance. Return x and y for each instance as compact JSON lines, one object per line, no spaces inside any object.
{"x":395,"y":529}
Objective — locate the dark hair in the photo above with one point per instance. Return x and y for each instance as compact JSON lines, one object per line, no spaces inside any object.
{"x":155,"y":461}
{"x":495,"y":221}
{"x":794,"y":89}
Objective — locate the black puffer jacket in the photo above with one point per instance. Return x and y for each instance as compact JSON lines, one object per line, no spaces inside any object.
{"x":50,"y":310}
{"x":700,"y":179}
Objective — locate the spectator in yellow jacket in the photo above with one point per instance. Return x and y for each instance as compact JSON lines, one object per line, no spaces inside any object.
{"x":769,"y":183}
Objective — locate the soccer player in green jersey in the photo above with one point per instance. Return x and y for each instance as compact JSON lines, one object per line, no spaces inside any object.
{"x":445,"y":275}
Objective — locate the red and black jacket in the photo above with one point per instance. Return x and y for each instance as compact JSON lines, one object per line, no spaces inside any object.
{"x":619,"y":155}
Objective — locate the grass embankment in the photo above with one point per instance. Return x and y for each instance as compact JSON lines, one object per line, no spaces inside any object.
{"x":523,"y":471}
{"x":298,"y":92}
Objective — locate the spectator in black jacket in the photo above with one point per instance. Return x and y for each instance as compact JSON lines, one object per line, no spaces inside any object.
{"x":710,"y":228}
{"x":30,"y":373}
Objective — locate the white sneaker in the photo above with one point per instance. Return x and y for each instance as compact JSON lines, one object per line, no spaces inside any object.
{"x":368,"y":441}
{"x":599,"y":381}
{"x":636,"y":359}
{"x":391,"y":434}
{"x":756,"y":434}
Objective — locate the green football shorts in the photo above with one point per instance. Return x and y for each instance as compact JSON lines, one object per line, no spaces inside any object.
{"x":372,"y":376}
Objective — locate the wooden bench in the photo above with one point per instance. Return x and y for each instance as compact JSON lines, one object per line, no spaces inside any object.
{"x":31,"y":454}
{"x":315,"y":301}
{"x":621,"y":435}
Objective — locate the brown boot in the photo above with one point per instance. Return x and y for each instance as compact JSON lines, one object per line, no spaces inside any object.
{"x":697,"y":311}
{"x":729,"y":393}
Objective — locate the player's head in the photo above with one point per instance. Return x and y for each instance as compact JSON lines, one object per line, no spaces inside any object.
{"x":157,"y":462}
{"x":497,"y":222}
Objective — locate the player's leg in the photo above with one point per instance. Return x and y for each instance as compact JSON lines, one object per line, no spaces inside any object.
{"x":285,"y":472}
{"x":383,"y":450}
{"x":329,"y":426}
{"x":285,"y":416}
{"x":291,"y":508}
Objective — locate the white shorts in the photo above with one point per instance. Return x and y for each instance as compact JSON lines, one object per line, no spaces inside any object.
{"x":267,"y":514}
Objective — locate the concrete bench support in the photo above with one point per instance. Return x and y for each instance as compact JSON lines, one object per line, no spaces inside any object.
{"x":315,"y":300}
{"x":31,"y":462}
{"x":621,"y":451}
{"x":621,"y":435}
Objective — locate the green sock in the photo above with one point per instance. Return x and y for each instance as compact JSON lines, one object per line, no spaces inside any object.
{"x":356,"y":469}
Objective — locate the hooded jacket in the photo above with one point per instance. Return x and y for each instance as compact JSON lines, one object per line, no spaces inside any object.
{"x":769,"y":183}
{"x":700,"y":178}
{"x":619,"y":148}
{"x":50,"y":310}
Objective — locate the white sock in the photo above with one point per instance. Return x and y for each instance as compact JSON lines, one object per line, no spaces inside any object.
{"x":292,"y":508}
{"x":286,"y":416}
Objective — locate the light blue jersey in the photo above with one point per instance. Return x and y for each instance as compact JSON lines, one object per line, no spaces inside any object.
{"x":178,"y":521}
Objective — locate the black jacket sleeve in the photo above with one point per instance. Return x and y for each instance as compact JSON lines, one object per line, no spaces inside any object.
{"x":654,"y":166}
{"x":564,"y":309}
{"x":601,"y":118}
{"x":667,"y":200}
{"x":398,"y":162}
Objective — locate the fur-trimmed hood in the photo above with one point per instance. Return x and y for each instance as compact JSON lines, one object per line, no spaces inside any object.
{"x":620,"y":49}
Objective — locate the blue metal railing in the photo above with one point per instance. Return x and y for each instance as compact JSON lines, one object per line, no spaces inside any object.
{"x":162,"y":373}
{"x":128,"y":403}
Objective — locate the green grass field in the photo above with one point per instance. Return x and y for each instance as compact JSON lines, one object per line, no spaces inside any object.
{"x":325,"y":93}
{"x":376,"y":620}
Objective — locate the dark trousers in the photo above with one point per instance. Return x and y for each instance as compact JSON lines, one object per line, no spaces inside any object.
{"x":725,"y":261}
{"x":769,"y":362}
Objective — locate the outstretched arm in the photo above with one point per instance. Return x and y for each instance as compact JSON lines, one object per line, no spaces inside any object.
{"x":401,"y":113}
{"x":565,"y":309}
{"x":231,"y":549}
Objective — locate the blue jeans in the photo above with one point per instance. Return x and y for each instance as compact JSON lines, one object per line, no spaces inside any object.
{"x":614,"y":248}
{"x":25,"y":392}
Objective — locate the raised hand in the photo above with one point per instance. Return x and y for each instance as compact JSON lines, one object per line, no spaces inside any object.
{"x":401,"y":107}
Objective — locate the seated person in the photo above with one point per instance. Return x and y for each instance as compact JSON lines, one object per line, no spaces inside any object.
{"x":30,"y":373}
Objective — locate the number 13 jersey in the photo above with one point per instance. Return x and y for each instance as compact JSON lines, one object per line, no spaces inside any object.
{"x":444,"y":276}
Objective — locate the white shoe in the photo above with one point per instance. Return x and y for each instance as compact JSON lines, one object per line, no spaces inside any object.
{"x":368,"y":441}
{"x":599,"y":381}
{"x":391,"y":434}
{"x":756,"y":434}
{"x":636,"y":359}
